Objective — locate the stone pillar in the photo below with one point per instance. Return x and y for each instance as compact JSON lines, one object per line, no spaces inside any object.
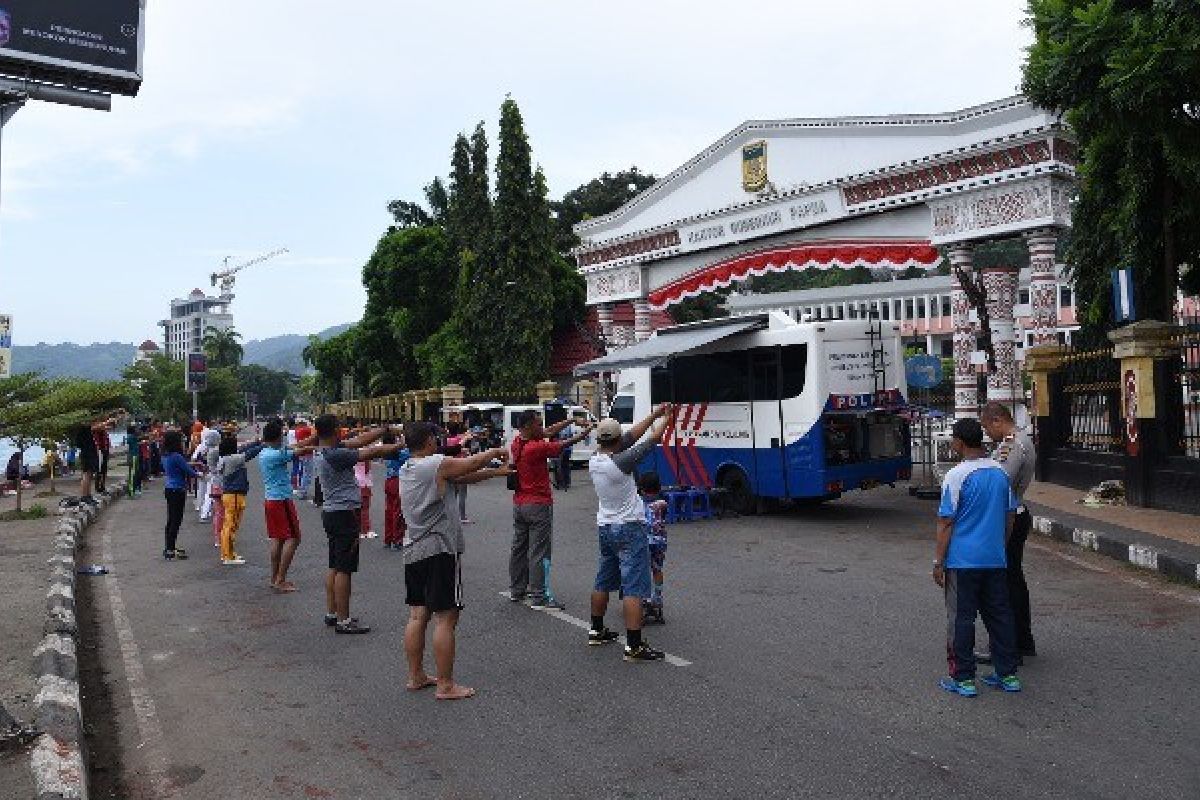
{"x":546,"y":391}
{"x":966,"y":386}
{"x":641,"y":320}
{"x":586,"y":391}
{"x":1004,"y":382}
{"x":453,"y":394}
{"x":604,"y":315}
{"x":1142,"y":348}
{"x":1043,"y":287}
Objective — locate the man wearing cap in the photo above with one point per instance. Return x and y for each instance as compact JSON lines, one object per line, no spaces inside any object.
{"x":975,"y":519}
{"x":621,"y":525}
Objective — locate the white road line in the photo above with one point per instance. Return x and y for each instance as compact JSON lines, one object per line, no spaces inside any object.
{"x":1191,"y":599}
{"x":144,"y":709}
{"x":674,"y":661}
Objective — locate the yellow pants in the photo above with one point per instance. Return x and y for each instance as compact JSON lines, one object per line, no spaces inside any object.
{"x":234,"y":505}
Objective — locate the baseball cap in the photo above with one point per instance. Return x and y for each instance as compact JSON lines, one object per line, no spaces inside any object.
{"x":608,"y":430}
{"x":969,"y":431}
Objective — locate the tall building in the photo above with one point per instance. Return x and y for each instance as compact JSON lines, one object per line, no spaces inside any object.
{"x":183,"y":331}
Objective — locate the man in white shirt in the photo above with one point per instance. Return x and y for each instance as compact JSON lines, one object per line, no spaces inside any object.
{"x":621,"y":523}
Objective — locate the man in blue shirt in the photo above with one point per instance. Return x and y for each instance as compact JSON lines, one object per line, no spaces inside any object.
{"x":975,"y":519}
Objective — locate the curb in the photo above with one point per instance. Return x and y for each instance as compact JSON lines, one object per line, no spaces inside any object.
{"x":58,"y":758}
{"x":1122,"y":548}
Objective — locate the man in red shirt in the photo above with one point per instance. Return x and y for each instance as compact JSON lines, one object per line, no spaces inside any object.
{"x":533,"y":507}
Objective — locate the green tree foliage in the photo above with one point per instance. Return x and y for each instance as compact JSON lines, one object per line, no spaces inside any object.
{"x":158,"y":388}
{"x":334,"y":359}
{"x":270,"y":386}
{"x":222,"y":346}
{"x":516,"y":285}
{"x":33,"y":408}
{"x":1127,"y":75}
{"x":597,"y":197}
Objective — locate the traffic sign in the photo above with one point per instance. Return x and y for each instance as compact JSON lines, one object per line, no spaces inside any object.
{"x":196,"y":376}
{"x":923,"y":372}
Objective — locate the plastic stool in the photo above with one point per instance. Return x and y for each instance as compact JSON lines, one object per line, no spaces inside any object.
{"x":679,"y":506}
{"x":698,"y":504}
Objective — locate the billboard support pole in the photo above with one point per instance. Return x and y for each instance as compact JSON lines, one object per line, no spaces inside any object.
{"x":195,"y":406}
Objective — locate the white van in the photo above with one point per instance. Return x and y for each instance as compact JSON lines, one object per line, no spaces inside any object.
{"x":551,"y":413}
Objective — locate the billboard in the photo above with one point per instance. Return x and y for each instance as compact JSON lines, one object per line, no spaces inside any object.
{"x":196,"y":376}
{"x":5,"y":346}
{"x":84,"y":44}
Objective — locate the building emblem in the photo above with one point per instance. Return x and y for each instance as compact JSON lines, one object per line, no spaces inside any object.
{"x":754,"y":166}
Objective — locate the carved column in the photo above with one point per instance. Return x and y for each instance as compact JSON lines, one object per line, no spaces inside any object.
{"x":604,"y":314}
{"x":641,"y":320}
{"x":1043,"y":287}
{"x":1003,"y":383}
{"x":966,"y":386}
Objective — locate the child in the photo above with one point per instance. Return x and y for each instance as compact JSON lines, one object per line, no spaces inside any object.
{"x":231,"y":469}
{"x":283,"y":524}
{"x":366,"y":487}
{"x":393,"y":516}
{"x":656,"y":520}
{"x":177,"y":471}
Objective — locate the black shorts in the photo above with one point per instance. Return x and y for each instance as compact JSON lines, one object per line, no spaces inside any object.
{"x":89,"y":462}
{"x":434,"y":582}
{"x":342,"y":529}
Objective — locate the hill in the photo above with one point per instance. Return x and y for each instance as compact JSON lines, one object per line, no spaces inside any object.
{"x":104,"y":361}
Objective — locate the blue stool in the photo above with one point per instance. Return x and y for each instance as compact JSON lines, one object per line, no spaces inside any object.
{"x":679,"y":506}
{"x":698,"y":504}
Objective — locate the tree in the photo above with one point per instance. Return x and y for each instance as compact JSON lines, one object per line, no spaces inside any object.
{"x":222,"y":346}
{"x":158,"y":387}
{"x":270,"y":387}
{"x":597,"y":197}
{"x":514,"y":293}
{"x":1127,"y":75}
{"x":334,"y":359}
{"x":35,"y":408}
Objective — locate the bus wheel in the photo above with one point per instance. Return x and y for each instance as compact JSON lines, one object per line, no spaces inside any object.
{"x":738,"y":496}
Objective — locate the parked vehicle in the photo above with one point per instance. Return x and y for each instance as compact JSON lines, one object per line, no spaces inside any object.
{"x":769,"y":408}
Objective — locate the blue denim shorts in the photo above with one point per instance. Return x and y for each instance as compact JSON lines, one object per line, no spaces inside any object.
{"x":624,"y":560}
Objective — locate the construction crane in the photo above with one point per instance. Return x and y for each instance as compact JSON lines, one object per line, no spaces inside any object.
{"x":227,"y":276}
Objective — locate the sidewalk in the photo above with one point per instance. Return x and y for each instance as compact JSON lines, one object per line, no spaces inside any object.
{"x":1163,"y":541}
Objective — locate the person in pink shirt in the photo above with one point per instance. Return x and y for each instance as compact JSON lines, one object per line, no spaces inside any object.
{"x":366,"y":486}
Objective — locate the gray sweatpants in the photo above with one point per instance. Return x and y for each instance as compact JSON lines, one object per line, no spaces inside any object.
{"x":532,"y":529}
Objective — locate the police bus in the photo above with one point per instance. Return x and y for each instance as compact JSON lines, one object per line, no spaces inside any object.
{"x":768,"y":408}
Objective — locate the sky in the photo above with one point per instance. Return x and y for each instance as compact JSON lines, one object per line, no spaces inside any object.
{"x":292,"y":123}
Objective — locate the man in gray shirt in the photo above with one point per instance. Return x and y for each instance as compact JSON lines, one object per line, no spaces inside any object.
{"x":433,"y":544}
{"x":1015,"y":453}
{"x":342,"y":501}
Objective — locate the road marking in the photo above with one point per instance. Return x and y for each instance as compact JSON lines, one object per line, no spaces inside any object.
{"x":1191,"y":599}
{"x":145,"y":712}
{"x":674,"y":661}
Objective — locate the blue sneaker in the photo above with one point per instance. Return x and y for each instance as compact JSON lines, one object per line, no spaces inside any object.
{"x":1009,"y":683}
{"x":962,"y":688}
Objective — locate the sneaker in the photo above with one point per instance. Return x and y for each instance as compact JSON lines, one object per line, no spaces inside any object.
{"x":465,"y":521}
{"x":962,"y":688}
{"x":602,"y":637}
{"x":1009,"y":683}
{"x":643,"y":652}
{"x":514,"y":597}
{"x":233,"y":562}
{"x":544,"y":603}
{"x":331,"y":620}
{"x":180,"y":553}
{"x":169,"y":555}
{"x":370,"y":535}
{"x":351,"y":626}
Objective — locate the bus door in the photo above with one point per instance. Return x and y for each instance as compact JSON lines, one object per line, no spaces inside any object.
{"x":766,"y":378}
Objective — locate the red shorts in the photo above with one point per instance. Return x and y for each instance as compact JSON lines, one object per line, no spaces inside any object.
{"x":282,"y":522}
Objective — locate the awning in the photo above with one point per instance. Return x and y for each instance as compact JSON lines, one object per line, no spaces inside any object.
{"x":667,"y":343}
{"x":894,"y":254}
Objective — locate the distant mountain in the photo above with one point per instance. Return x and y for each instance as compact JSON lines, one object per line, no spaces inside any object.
{"x":96,"y":362}
{"x":105,"y":361}
{"x":283,"y":352}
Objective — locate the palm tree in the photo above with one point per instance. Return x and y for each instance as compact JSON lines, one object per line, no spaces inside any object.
{"x":222,"y":346}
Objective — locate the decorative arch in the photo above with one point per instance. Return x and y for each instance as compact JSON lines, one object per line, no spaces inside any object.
{"x":843,"y":254}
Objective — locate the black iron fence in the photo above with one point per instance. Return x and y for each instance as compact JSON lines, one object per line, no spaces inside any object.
{"x":1182,"y":415}
{"x":1091,"y":397}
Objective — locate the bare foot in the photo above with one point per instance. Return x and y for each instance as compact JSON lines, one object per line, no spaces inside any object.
{"x":424,"y":683}
{"x":455,"y":692}
{"x":285,"y":587}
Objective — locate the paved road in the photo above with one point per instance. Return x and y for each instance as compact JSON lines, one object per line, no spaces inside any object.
{"x":814,"y":640}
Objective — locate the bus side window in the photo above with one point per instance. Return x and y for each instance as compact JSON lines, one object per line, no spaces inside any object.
{"x":764,"y":366}
{"x":795,"y":369}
